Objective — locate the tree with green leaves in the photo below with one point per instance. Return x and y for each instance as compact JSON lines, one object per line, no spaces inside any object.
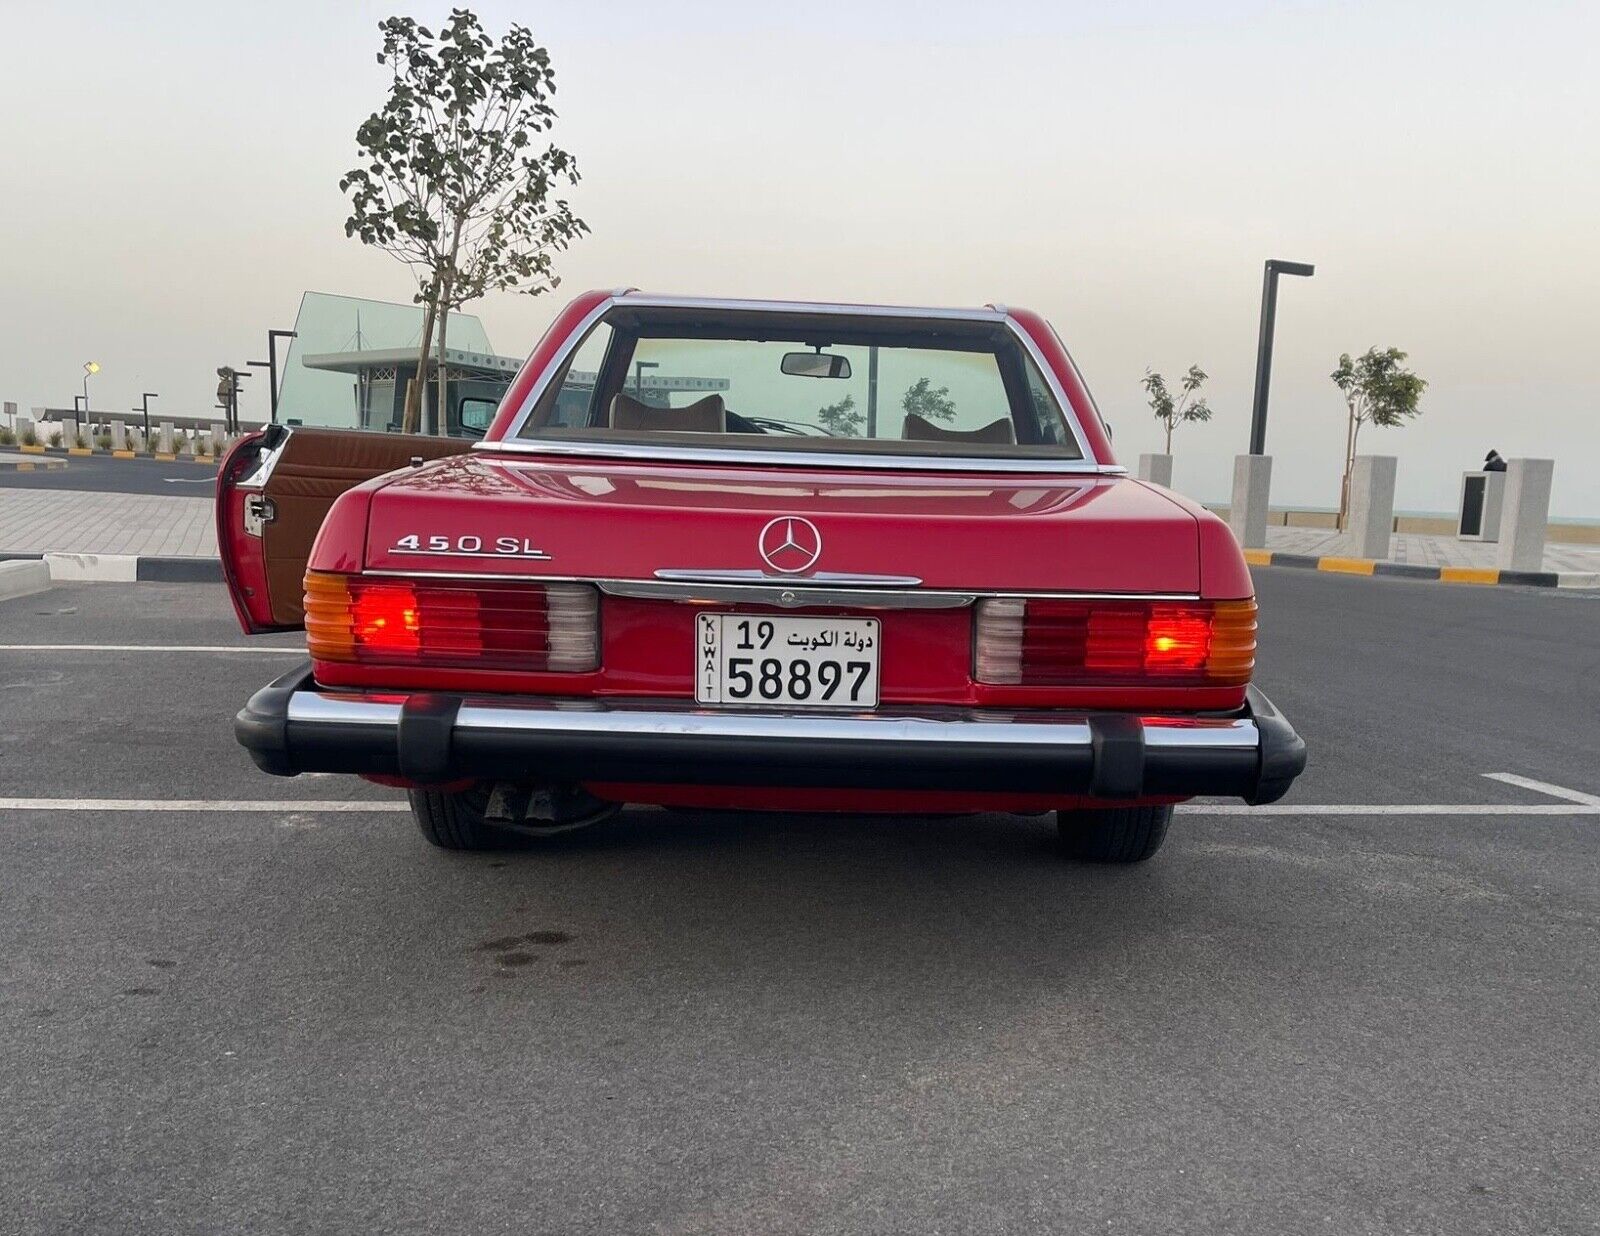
{"x":1378,"y":388}
{"x":457,"y":175}
{"x":1172,"y":412}
{"x":929,"y":402}
{"x":841,"y":419}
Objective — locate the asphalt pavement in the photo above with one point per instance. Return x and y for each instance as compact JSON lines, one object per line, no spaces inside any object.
{"x":182,"y":478}
{"x":1331,"y":1017}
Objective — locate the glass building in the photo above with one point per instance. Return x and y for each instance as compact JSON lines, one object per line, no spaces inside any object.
{"x":352,"y":361}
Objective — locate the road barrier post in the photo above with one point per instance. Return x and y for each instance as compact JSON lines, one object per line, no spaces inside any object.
{"x":1524,"y":512}
{"x":1371,"y":506}
{"x":1157,"y":469}
{"x":1252,"y":486}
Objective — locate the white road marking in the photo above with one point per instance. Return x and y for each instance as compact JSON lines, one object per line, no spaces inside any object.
{"x":220,"y":806}
{"x":248,"y":651}
{"x":1544,"y":787}
{"x":1577,"y":803}
{"x":1389,"y":809}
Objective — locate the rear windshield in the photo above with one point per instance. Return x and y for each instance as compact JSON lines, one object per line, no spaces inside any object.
{"x":788,"y":382}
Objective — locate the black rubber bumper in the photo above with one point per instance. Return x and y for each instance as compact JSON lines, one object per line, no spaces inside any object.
{"x":432,"y":737}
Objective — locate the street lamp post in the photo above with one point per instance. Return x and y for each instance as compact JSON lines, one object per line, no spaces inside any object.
{"x":238,"y":374}
{"x":1269,"y":315}
{"x":144,"y":406}
{"x":90,"y":368}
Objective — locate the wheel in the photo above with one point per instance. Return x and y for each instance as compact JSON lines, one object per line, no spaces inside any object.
{"x":1113,"y":834}
{"x":503,"y":816}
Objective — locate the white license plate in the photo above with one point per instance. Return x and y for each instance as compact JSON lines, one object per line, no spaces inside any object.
{"x":793,"y":662}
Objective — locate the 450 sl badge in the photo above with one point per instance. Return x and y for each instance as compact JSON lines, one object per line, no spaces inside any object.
{"x":469,"y":547}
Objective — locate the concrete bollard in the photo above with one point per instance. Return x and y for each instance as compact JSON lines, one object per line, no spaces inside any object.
{"x":1524,"y":512}
{"x":1371,"y":520}
{"x":24,"y":427}
{"x":1157,"y":469}
{"x":1252,"y":487}
{"x":119,"y":436}
{"x":69,"y":432}
{"x":219,"y":437}
{"x":164,"y":438}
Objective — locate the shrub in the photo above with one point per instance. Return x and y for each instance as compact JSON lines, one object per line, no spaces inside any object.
{"x":7,"y":437}
{"x":55,"y":437}
{"x":81,"y":441}
{"x":29,"y":437}
{"x":103,"y":442}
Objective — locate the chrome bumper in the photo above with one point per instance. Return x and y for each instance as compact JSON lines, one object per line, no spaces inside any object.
{"x":292,"y":726}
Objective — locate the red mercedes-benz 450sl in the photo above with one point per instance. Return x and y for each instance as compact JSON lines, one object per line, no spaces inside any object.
{"x":763,"y":555}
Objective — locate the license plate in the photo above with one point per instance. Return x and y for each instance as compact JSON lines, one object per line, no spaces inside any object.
{"x":793,"y":662}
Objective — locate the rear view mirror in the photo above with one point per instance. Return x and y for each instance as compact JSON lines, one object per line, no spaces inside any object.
{"x":815,"y":365}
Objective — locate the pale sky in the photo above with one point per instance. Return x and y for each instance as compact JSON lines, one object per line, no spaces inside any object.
{"x":169,"y":185}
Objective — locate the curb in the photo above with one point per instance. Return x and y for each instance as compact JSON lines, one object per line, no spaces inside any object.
{"x":1444,"y":575}
{"x":123,"y":568}
{"x":21,"y":579}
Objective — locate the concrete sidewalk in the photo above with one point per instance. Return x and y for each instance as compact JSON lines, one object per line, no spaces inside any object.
{"x":1415,"y":549}
{"x":34,"y":521}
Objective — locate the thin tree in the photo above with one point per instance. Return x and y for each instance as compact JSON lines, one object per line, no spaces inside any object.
{"x":1172,"y":412}
{"x":1376,"y":388}
{"x":457,"y":175}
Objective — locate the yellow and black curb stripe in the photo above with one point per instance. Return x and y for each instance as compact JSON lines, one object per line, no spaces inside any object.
{"x":1406,"y":570}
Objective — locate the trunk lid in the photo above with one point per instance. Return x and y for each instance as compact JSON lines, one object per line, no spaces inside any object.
{"x":499,"y":515}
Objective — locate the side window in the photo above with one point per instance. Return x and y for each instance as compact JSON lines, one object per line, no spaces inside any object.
{"x":569,"y":402}
{"x":1052,"y":428}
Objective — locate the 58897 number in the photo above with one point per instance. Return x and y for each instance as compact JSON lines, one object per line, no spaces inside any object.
{"x":783,"y":660}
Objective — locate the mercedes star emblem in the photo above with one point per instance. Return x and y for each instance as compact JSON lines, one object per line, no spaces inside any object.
{"x":790,"y":544}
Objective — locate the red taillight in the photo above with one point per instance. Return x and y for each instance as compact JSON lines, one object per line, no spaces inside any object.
{"x":1047,"y":641}
{"x":468,"y":624}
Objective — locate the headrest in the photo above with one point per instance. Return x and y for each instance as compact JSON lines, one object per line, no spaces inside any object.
{"x":703,"y":416}
{"x":921,"y":429}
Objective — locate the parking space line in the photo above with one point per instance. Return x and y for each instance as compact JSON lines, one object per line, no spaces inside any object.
{"x":1544,"y":787}
{"x":1576,"y":802}
{"x":247,"y":650}
{"x":1390,"y":809}
{"x":219,"y":806}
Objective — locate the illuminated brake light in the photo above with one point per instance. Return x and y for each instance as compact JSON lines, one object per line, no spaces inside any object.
{"x":506,"y":625}
{"x":1053,"y":641}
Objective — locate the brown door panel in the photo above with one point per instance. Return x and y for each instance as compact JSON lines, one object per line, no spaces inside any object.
{"x":314,"y":467}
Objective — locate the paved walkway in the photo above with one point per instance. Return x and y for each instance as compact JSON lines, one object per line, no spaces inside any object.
{"x":75,"y":522}
{"x":1434,"y":551}
{"x":36,"y":521}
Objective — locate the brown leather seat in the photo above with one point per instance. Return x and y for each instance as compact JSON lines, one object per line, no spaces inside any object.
{"x":921,"y":429}
{"x":708,"y":415}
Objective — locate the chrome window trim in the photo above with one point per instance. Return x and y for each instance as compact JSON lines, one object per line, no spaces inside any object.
{"x":510,"y":444}
{"x":975,"y":727}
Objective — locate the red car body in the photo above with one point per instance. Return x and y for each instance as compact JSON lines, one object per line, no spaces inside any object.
{"x":427,"y":665}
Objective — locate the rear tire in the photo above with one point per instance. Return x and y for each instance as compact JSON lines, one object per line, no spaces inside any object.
{"x":471,"y":819}
{"x":1113,"y":834}
{"x":454,"y":821}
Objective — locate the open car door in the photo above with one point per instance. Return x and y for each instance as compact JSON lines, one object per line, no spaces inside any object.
{"x":273,"y":490}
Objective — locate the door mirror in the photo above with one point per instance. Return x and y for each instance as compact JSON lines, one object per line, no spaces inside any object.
{"x":815,"y":365}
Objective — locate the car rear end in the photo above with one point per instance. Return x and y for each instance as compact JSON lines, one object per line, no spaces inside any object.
{"x":690,"y":615}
